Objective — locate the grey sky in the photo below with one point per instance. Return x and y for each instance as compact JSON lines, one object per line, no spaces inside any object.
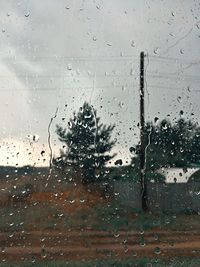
{"x":54,"y":53}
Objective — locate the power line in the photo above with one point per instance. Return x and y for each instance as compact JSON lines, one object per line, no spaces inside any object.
{"x":91,"y":58}
{"x":173,"y":59}
{"x":69,"y":87}
{"x":173,"y":88}
{"x":185,"y":77}
{"x":100,"y":87}
{"x":67,"y":76}
{"x":172,"y":74}
{"x":151,"y":75}
{"x":72,"y":58}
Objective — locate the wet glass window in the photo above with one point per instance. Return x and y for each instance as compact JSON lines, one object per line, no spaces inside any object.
{"x":100,"y":133}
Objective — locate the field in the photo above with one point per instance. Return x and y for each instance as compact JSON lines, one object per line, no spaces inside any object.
{"x":75,"y":225}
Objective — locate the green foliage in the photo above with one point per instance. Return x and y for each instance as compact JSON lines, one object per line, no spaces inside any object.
{"x":131,"y":173}
{"x":124,"y":173}
{"x":154,"y":176}
{"x":195,"y":176}
{"x":88,"y":143}
{"x":171,"y":145}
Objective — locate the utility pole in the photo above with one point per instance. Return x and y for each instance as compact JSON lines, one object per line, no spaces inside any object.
{"x":142,"y":137}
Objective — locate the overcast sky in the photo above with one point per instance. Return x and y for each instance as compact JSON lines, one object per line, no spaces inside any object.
{"x":57,"y":53}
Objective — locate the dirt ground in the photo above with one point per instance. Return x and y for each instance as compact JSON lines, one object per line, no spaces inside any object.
{"x":87,"y":244}
{"x":90,"y":244}
{"x":71,"y":201}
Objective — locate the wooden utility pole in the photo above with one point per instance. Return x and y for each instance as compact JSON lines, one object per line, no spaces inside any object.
{"x":142,"y":137}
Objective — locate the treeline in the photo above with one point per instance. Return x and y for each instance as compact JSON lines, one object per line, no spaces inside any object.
{"x":87,"y":144}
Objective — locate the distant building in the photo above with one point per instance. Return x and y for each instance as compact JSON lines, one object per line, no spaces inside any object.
{"x":177,"y":175}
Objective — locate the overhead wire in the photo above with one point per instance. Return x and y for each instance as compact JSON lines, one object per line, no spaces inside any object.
{"x":101,"y":87}
{"x":149,"y":74}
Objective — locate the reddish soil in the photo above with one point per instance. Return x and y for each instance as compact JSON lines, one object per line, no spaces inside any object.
{"x":79,"y":196}
{"x":89,"y":244}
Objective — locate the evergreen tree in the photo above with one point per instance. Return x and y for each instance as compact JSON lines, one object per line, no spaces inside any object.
{"x":88,"y":143}
{"x":171,"y":145}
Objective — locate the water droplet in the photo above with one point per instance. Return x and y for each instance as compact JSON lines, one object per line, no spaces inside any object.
{"x":198,"y":25}
{"x":42,"y":153}
{"x":88,"y":116}
{"x":119,"y":162}
{"x":155,"y":50}
{"x":155,"y":236}
{"x":69,"y":67}
{"x":141,"y":231}
{"x":97,"y":175}
{"x":125,"y":249}
{"x":132,"y":149}
{"x":157,"y":250}
{"x":81,"y":165}
{"x":27,"y":15}
{"x":132,"y":43}
{"x":116,"y":235}
{"x":109,"y":44}
{"x":36,"y":137}
{"x":142,"y":243}
{"x":131,"y":72}
{"x":134,"y":254}
{"x":156,"y":119}
{"x":97,"y":164}
{"x":33,"y":259}
{"x":43,"y":253}
{"x":121,"y":104}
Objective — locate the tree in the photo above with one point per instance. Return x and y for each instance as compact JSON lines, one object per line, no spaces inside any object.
{"x":88,"y":143}
{"x":171,"y":145}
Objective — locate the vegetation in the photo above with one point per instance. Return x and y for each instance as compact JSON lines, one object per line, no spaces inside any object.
{"x":171,"y":145}
{"x":144,"y":262}
{"x":87,"y":143}
{"x":131,"y":173}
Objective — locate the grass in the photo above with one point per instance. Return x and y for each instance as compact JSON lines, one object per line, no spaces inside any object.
{"x":117,"y":217}
{"x":114,"y":263}
{"x":110,"y":217}
{"x":28,"y":218}
{"x":11,"y":219}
